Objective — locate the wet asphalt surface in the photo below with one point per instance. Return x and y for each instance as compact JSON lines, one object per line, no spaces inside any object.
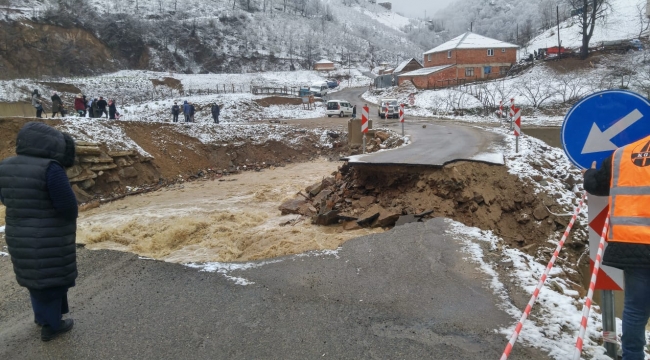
{"x":404,"y":294}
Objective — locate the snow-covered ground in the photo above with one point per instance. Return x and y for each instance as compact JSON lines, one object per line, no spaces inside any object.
{"x":390,"y":19}
{"x":622,"y":22}
{"x":138,"y":100}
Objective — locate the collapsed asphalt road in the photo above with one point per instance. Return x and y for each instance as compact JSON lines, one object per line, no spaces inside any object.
{"x":407,"y":293}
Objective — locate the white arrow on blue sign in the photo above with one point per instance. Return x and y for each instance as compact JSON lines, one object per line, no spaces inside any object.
{"x":601,"y":122}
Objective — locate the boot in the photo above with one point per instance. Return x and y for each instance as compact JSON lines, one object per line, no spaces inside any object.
{"x":47,"y":333}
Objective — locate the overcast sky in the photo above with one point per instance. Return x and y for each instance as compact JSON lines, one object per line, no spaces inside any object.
{"x":416,"y":8}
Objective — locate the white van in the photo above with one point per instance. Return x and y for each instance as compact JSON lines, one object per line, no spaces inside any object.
{"x":319,"y":90}
{"x":338,"y":107}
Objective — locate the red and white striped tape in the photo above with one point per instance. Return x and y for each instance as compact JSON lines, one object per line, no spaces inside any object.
{"x":587,"y":306}
{"x":540,"y":284}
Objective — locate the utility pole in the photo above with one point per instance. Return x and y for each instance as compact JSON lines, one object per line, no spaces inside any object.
{"x":559,"y":43}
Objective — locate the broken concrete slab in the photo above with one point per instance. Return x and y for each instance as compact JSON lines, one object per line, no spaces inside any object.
{"x":365,"y":201}
{"x":292,"y":206}
{"x":328,"y":218}
{"x":351,"y":225}
{"x":313,"y":190}
{"x":407,"y":219}
{"x":386,"y":218}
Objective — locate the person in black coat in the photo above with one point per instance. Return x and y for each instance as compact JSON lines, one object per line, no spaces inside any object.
{"x":101,"y":107}
{"x":215,"y":113}
{"x":176,"y":110}
{"x":41,"y":222}
{"x":57,"y":104}
{"x":192,"y":111}
{"x":112,"y":109}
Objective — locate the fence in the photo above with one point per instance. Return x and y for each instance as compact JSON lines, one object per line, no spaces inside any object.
{"x":261,"y":90}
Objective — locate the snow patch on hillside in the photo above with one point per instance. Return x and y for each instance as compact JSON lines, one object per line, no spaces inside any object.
{"x":622,"y":23}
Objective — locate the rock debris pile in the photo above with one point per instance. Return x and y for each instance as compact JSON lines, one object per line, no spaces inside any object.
{"x":476,"y":194}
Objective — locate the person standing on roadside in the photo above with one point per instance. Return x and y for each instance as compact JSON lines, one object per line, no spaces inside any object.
{"x":79,"y":105}
{"x":192,"y":112}
{"x":95,"y":109}
{"x":36,"y":103}
{"x":354,"y":112}
{"x":89,"y":107}
{"x":57,"y":104}
{"x":112,"y":109}
{"x":625,"y":178}
{"x":176,"y":110}
{"x":215,"y":113}
{"x":186,"y":111}
{"x":101,"y":107}
{"x":41,"y":222}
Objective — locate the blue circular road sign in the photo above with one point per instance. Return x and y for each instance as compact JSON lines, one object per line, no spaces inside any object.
{"x":602,"y":122}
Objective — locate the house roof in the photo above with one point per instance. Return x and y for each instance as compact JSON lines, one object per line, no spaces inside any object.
{"x":469,"y":40}
{"x":402,"y":65}
{"x":426,"y":70}
{"x":324,"y":61}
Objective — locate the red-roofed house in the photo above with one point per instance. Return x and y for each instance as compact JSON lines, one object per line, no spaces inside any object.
{"x":468,"y":57}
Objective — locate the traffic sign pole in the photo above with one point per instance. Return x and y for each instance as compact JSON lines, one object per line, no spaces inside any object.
{"x":364,"y":125}
{"x":609,"y":323}
{"x":401,"y":117}
{"x":517,"y":122}
{"x":512,"y":111}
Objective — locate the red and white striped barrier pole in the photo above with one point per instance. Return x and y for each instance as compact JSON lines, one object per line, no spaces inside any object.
{"x":587,"y":306}
{"x":364,"y":125}
{"x":529,"y":307}
{"x":517,"y":127}
{"x":401,"y":117}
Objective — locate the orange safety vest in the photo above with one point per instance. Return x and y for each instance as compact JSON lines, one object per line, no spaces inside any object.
{"x":629,"y":196}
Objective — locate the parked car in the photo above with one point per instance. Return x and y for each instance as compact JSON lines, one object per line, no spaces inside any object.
{"x":319,"y":90}
{"x":332,"y":83}
{"x":393,"y":108}
{"x":636,"y":43}
{"x":338,"y":107}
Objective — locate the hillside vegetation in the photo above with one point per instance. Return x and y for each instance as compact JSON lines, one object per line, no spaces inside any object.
{"x":196,"y":36}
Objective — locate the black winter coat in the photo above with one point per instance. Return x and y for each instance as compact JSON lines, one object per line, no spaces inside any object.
{"x":619,"y":255}
{"x":215,"y":110}
{"x":176,"y":110}
{"x":40,"y":239}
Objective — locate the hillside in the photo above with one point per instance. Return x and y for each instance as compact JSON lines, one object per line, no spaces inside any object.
{"x":199,"y":36}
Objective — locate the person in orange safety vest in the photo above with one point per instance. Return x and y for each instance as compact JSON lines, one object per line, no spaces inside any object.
{"x":625,"y":178}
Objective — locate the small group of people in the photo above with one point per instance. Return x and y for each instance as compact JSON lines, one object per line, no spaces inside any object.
{"x":189,"y":111}
{"x":94,"y":108}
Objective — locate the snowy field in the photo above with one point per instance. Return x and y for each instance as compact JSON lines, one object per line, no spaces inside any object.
{"x":623,"y":22}
{"x":138,"y":100}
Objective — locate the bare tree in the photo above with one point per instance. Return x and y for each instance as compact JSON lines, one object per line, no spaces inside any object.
{"x":536,"y":89}
{"x":570,"y":87}
{"x":591,"y":11}
{"x":641,"y":16}
{"x":642,"y":80}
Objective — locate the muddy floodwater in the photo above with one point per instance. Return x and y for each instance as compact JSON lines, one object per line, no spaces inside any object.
{"x":236,"y":219}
